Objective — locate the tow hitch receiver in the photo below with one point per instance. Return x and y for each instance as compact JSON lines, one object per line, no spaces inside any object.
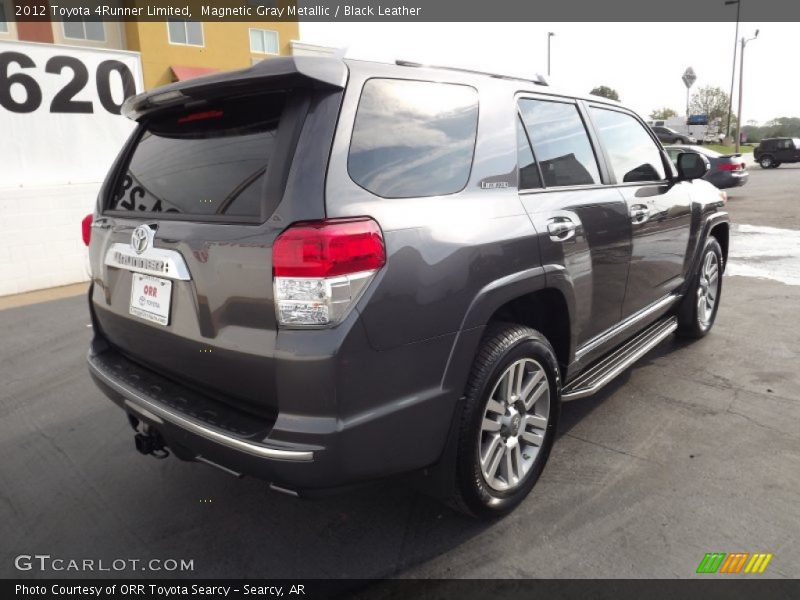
{"x":148,"y":441}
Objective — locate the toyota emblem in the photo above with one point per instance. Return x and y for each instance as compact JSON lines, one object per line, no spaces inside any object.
{"x":140,"y":238}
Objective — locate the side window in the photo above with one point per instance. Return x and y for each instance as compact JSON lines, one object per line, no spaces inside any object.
{"x":560,"y":142}
{"x":528,"y":170}
{"x":413,"y":138}
{"x":632,"y":153}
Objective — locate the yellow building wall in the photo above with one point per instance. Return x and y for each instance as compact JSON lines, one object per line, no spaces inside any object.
{"x":226,"y":46}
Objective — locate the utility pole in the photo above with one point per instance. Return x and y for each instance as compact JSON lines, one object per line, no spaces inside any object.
{"x":550,"y":34}
{"x":738,"y":4}
{"x":741,"y":87}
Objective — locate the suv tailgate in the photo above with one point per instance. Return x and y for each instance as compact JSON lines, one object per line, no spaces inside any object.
{"x":209,"y":184}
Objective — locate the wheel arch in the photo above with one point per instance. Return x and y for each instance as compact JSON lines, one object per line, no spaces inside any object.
{"x":721,"y":232}
{"x":525,"y":298}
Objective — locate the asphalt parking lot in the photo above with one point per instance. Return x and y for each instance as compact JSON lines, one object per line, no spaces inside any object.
{"x":696,"y":449}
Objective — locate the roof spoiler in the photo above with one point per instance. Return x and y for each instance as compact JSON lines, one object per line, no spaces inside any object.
{"x":291,"y":70}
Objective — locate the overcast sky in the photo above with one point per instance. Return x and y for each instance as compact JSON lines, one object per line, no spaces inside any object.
{"x":642,"y":61}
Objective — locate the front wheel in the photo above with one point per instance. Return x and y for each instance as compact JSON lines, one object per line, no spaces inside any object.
{"x":698,"y":309}
{"x":509,"y":421}
{"x":766,"y":162}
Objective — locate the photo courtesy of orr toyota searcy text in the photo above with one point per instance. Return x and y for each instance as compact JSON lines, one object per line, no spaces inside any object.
{"x":159,"y":591}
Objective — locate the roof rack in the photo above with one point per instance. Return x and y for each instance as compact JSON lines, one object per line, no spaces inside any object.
{"x":538,"y":79}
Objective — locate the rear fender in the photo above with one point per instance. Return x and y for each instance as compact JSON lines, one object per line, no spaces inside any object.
{"x":488,"y":300}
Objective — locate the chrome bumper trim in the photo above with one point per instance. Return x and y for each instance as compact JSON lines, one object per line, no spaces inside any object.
{"x":136,"y":400}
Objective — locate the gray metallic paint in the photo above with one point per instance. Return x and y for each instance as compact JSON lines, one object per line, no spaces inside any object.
{"x":378,"y":394}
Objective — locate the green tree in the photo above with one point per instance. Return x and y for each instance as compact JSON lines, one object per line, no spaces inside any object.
{"x":605,"y":92}
{"x":663,"y":114}
{"x":712,"y":101}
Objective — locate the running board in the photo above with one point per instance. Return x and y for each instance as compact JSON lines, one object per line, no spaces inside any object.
{"x":593,"y":379}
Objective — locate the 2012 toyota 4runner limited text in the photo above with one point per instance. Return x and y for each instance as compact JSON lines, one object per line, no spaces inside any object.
{"x":321,"y":271}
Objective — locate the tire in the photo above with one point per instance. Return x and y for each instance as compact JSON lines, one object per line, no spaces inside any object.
{"x":766,"y":161}
{"x":515,"y":453}
{"x":776,"y":164}
{"x":698,"y":309}
{"x":677,"y":141}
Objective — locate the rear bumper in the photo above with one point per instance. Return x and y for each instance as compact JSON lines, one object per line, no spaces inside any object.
{"x":730,"y":179}
{"x":299,"y":452}
{"x":121,"y":383}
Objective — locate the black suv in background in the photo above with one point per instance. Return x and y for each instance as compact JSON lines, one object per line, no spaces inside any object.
{"x":321,"y":272}
{"x":772,"y":152}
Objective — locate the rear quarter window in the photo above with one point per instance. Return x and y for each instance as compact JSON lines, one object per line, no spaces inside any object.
{"x":413,"y":138}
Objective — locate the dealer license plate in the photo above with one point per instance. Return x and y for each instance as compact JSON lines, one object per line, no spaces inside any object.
{"x":150,"y":298}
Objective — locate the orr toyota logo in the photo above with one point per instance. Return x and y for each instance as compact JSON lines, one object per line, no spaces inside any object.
{"x":735,"y":562}
{"x":141,"y":238}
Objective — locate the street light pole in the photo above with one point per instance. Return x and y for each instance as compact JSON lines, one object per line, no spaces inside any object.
{"x":738,"y":4}
{"x":550,"y":34}
{"x":741,"y":86}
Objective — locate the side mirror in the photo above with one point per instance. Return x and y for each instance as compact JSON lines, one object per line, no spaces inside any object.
{"x":692,"y":165}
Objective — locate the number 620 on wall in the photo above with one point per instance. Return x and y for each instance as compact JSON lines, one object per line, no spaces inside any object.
{"x":64,"y":100}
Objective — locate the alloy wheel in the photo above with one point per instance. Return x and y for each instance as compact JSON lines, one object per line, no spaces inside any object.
{"x":514,"y":424}
{"x":707,"y":290}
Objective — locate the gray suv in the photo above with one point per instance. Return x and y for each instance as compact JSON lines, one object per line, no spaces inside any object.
{"x":321,"y":271}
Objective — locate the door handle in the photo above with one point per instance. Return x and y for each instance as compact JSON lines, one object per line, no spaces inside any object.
{"x":561,"y":229}
{"x":640,"y":214}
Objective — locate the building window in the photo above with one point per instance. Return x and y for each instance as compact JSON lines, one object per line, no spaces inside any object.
{"x":264,"y":41}
{"x":78,"y":29}
{"x":3,"y":23}
{"x":188,"y":33}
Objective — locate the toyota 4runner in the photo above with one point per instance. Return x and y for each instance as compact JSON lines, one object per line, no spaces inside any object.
{"x":320,"y":271}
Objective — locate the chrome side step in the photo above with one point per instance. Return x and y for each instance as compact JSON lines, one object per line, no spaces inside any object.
{"x":594,"y":378}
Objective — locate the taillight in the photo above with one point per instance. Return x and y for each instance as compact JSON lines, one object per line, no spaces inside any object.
{"x":731,"y":166}
{"x":86,"y":229}
{"x":320,"y":269}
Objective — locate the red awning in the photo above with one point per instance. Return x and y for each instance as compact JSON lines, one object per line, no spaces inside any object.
{"x":184,"y":73}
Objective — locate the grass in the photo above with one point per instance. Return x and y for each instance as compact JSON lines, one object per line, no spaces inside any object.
{"x":743,"y":149}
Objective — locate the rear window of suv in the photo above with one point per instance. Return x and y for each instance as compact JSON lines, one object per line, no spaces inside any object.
{"x":413,"y":138}
{"x":211,"y":161}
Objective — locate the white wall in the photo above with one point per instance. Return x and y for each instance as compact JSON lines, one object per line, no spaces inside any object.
{"x":52,"y":164}
{"x":40,"y":229}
